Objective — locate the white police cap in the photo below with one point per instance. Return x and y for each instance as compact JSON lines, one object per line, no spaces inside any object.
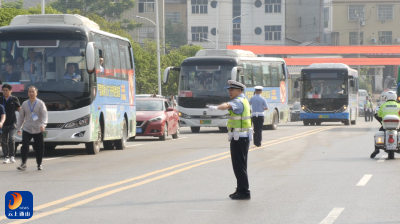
{"x":258,"y":87}
{"x":235,"y":85}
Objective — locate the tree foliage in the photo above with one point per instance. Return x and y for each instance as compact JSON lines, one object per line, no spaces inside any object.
{"x":104,"y":8}
{"x":16,"y":5}
{"x":175,"y":34}
{"x":365,"y":80}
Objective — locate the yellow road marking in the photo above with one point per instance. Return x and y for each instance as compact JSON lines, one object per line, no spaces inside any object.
{"x":311,"y":132}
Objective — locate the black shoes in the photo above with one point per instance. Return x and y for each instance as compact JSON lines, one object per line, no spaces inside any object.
{"x":39,"y":167}
{"x":21,"y":167}
{"x":240,"y":196}
{"x":376,"y":152}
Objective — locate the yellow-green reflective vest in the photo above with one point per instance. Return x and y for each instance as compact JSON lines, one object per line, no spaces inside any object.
{"x":389,"y":108}
{"x":240,"y":122}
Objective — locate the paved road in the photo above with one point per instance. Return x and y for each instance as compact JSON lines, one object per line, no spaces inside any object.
{"x":299,"y":175}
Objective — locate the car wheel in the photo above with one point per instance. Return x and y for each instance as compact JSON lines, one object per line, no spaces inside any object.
{"x":176,"y":135}
{"x":162,"y":138}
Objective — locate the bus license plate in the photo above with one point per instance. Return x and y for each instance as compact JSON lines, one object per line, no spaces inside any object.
{"x":138,"y":130}
{"x":205,"y":121}
{"x":323,"y":116}
{"x":45,"y":134}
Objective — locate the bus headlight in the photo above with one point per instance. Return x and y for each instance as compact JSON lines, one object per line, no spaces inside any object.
{"x":83,"y":121}
{"x":182,"y":115}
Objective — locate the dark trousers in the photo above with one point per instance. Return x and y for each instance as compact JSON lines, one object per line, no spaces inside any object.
{"x":258,"y":126}
{"x":8,"y":140}
{"x":371,"y":116}
{"x":37,"y":141}
{"x":367,"y":115}
{"x":239,"y":151}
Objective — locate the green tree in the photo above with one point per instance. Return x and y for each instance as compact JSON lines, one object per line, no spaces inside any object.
{"x":365,"y":80}
{"x":16,"y":5}
{"x":7,"y":14}
{"x":104,"y":8}
{"x":175,"y":34}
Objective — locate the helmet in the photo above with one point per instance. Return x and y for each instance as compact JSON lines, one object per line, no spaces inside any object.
{"x":390,"y":95}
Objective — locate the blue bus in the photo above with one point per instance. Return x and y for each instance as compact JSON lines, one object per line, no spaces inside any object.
{"x":84,"y":75}
{"x":203,"y":80}
{"x":329,"y":93}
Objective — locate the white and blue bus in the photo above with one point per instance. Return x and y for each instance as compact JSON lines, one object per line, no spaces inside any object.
{"x":203,"y":80}
{"x":87,"y":101}
{"x":329,"y":93}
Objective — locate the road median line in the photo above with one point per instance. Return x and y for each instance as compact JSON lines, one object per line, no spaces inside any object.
{"x":149,"y":180}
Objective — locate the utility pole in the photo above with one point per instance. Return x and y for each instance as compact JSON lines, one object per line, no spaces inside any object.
{"x":358,"y":41}
{"x":43,"y":7}
{"x":216,"y":46}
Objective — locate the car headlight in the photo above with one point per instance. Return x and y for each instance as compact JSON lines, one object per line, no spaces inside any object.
{"x":83,"y":121}
{"x":226,"y":116}
{"x":158,"y":118}
{"x":182,"y":115}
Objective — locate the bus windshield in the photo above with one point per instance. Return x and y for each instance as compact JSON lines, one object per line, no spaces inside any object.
{"x":325,"y":85}
{"x":51,"y":65}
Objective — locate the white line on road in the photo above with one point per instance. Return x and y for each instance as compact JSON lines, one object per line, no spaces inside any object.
{"x":59,"y":157}
{"x":382,"y":159}
{"x":332,"y":216}
{"x":133,"y":145}
{"x":364,"y":180}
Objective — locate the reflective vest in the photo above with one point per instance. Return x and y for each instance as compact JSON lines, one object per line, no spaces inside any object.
{"x":240,"y":122}
{"x":389,"y":108}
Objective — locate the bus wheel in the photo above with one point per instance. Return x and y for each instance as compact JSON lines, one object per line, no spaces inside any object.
{"x":306,"y":123}
{"x":275,"y":122}
{"x":94,"y":147}
{"x":121,"y":143}
{"x":312,"y":123}
{"x":347,"y":122}
{"x":195,"y":129}
{"x":223,"y":129}
{"x":318,"y":123}
{"x":354,"y":122}
{"x":108,"y":145}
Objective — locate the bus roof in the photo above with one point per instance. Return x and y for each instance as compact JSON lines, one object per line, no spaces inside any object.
{"x":54,"y":19}
{"x":351,"y":72}
{"x":224,"y":52}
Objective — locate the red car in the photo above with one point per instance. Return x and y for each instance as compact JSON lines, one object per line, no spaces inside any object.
{"x":155,"y":117}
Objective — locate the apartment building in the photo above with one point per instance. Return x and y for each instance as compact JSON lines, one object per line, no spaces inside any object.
{"x":216,"y":24}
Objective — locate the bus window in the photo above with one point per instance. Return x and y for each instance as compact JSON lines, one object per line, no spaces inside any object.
{"x":257,"y":74}
{"x":266,"y":74}
{"x":115,"y":56}
{"x":124,"y":74}
{"x":247,"y":76}
{"x":107,"y":56}
{"x":274,"y":76}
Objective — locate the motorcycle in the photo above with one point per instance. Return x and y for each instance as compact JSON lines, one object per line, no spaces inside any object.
{"x":389,"y":138}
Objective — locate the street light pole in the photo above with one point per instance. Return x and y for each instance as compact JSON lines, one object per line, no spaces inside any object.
{"x":230,"y":27}
{"x":216,"y":46}
{"x":43,"y":6}
{"x":158,"y":49}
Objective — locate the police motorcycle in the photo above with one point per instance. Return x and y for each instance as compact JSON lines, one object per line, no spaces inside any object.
{"x":388,"y":137}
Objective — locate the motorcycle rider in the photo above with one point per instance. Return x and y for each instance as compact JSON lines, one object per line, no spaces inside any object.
{"x":390,"y":107}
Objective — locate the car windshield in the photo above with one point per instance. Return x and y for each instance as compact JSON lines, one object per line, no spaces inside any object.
{"x":50,"y":65}
{"x":296,"y":106}
{"x":150,"y":105}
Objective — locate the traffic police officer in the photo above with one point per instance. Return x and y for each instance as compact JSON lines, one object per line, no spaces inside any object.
{"x":240,"y":135}
{"x":258,"y":105}
{"x":391,"y":107}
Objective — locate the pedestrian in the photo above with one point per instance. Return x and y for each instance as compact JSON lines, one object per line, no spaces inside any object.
{"x":258,"y":105}
{"x":11,"y":105}
{"x":33,"y":120}
{"x":366,"y":111}
{"x":371,"y":110}
{"x":240,"y":135}
{"x":173,"y":101}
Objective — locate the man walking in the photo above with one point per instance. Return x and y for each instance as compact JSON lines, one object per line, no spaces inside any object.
{"x":240,"y":134}
{"x":33,"y":119}
{"x":258,"y":105}
{"x":11,"y":105}
{"x":371,"y":110}
{"x":366,"y":112}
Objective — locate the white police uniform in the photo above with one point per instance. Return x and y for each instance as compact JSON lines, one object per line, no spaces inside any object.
{"x":258,"y":105}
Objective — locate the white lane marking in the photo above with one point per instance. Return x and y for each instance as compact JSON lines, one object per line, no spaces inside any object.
{"x":133,"y":145}
{"x":332,"y":216}
{"x":364,"y":180}
{"x":59,"y":157}
{"x":382,"y":159}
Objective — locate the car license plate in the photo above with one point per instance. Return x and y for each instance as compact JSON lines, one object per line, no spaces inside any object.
{"x":323,"y":116}
{"x":138,"y":130}
{"x":205,"y":121}
{"x":45,"y":134}
{"x":391,"y":147}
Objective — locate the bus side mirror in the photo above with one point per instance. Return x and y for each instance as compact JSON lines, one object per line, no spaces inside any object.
{"x":90,"y":57}
{"x":296,"y":84}
{"x":166,"y":74}
{"x":234,"y":73}
{"x":352,"y":83}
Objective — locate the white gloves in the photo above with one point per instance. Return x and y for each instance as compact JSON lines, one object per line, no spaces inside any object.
{"x":212,"y":108}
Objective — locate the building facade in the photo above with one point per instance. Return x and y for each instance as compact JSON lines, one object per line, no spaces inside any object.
{"x":304,"y":21}
{"x":216,"y":24}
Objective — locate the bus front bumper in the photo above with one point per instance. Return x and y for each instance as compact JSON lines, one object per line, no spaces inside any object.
{"x":325,"y":117}
{"x":58,"y":135}
{"x":203,"y":122}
